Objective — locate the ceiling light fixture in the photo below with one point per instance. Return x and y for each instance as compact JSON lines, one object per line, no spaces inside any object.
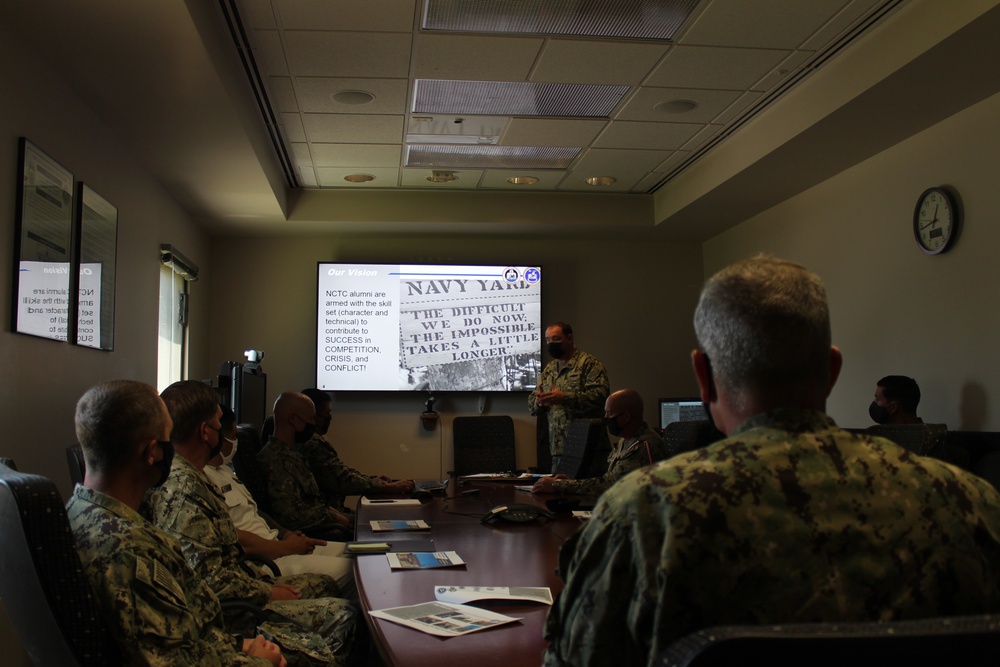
{"x":600,"y":180}
{"x":522,"y":180}
{"x":353,"y":97}
{"x":359,"y":178}
{"x":676,"y":106}
{"x":442,"y":177}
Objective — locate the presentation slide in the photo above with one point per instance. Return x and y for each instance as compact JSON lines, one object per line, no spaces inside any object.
{"x":428,"y":328}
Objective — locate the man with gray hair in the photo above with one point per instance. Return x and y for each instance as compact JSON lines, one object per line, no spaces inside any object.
{"x":788,"y":520}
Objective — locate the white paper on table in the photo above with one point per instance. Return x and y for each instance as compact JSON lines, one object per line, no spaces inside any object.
{"x":582,"y":514}
{"x":389,"y":502}
{"x":443,"y":619}
{"x":464,"y":594}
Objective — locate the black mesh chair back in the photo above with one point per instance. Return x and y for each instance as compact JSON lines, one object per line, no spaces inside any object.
{"x":921,"y":439}
{"x":932,"y":642}
{"x":77,"y":466}
{"x":41,"y":578}
{"x":579,"y":458}
{"x":246,"y":467}
{"x":543,"y":452}
{"x":484,"y":444}
{"x":687,"y":436}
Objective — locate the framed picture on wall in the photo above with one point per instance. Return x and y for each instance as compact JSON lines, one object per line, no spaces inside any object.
{"x":97,"y":233}
{"x":43,"y":245}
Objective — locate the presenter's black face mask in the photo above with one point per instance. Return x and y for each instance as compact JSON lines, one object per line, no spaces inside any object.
{"x":164,"y":463}
{"x":878,"y":413}
{"x":556,"y":350}
{"x":323,"y":424}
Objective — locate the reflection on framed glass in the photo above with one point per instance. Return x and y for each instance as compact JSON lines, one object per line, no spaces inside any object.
{"x":97,"y":231}
{"x":43,"y":245}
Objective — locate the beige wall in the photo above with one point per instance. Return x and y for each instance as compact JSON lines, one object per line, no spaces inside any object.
{"x":630,"y":304}
{"x":42,"y":379}
{"x":894,"y":309}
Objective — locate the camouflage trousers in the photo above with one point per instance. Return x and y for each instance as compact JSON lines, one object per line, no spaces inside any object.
{"x":315,"y":632}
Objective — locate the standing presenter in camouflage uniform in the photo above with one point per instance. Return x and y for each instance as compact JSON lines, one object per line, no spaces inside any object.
{"x":189,"y":507}
{"x":790,"y":519}
{"x":638,"y":446}
{"x":572,"y":386}
{"x":159,"y":611}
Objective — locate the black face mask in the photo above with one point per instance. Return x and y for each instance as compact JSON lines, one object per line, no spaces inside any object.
{"x":878,"y":413}
{"x":215,"y":451}
{"x":614,"y":428}
{"x":164,"y":463}
{"x":556,"y":350}
{"x":323,"y":424}
{"x":303,"y":436}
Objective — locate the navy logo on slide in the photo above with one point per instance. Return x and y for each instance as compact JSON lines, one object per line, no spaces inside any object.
{"x":511,"y":275}
{"x":532,"y":275}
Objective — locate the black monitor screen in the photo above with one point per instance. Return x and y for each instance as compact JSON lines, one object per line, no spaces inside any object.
{"x":252,"y":407}
{"x":681,"y":409}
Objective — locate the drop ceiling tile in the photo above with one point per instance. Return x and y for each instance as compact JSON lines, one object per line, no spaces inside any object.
{"x":257,"y":13}
{"x":776,"y":24}
{"x":480,"y":58}
{"x":739,"y":106}
{"x":417,"y":178}
{"x":714,"y":67}
{"x":839,"y":23}
{"x":710,"y":104}
{"x":609,"y":161}
{"x":647,"y":183}
{"x":348,"y":54}
{"x":347,"y":129}
{"x":551,"y":132}
{"x":785,"y":68}
{"x":626,"y":179}
{"x":307,"y":177}
{"x":381,"y":16}
{"x":301,"y":155}
{"x":291,"y":124}
{"x":497,"y":178}
{"x":659,"y":136}
{"x":356,"y":155}
{"x":672,"y":161}
{"x":281,"y":94}
{"x":315,"y":95}
{"x":707,"y":133}
{"x":333,"y":177}
{"x":576,"y":61}
{"x":269,"y":53}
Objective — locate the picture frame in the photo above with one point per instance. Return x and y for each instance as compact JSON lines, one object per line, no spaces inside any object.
{"x":96,"y":257}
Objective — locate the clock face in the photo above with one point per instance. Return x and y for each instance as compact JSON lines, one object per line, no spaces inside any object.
{"x":935,"y":220}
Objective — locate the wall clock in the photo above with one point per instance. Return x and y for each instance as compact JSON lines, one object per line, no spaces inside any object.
{"x":935,"y":220}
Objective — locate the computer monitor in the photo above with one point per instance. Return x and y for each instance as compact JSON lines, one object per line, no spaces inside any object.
{"x":681,"y":409}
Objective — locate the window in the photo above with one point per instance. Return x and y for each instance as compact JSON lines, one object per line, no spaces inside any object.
{"x":175,"y":274}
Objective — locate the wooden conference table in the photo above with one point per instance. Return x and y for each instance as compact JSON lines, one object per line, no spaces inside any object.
{"x":495,"y":554}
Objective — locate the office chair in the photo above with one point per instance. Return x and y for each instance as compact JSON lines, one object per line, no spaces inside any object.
{"x":41,"y":578}
{"x":958,"y":640}
{"x":686,"y":436}
{"x":484,"y":444}
{"x":580,"y":458}
{"x":543,"y":451}
{"x":245,"y":465}
{"x":4,"y":461}
{"x":76,"y":463}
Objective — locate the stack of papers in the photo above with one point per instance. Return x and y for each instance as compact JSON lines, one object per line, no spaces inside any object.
{"x":442,"y":619}
{"x":399,"y":524}
{"x":419,"y":560}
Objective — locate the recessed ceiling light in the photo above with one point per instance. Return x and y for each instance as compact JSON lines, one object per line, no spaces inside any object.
{"x":676,"y":106}
{"x":359,"y":178}
{"x":353,"y":97}
{"x":522,"y":180}
{"x":601,"y":180}
{"x":442,"y":177}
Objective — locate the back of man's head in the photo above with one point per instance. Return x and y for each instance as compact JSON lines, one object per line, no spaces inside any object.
{"x":189,"y":403}
{"x":765,"y":326}
{"x":112,"y":418}
{"x":903,"y":389}
{"x":317,"y":396}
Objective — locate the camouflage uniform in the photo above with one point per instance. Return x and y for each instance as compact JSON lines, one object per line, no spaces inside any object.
{"x":190,"y":508}
{"x":642,"y":449}
{"x":585,"y":384}
{"x":788,"y":520}
{"x":160,"y":612}
{"x":335,"y":478}
{"x":295,"y":497}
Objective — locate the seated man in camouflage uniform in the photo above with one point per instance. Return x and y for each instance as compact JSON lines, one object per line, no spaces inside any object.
{"x":638,"y":445}
{"x":159,"y":610}
{"x":296,"y":501}
{"x":335,"y":478}
{"x":790,"y":519}
{"x":189,"y":507}
{"x":261,"y":537}
{"x":574,"y":385}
